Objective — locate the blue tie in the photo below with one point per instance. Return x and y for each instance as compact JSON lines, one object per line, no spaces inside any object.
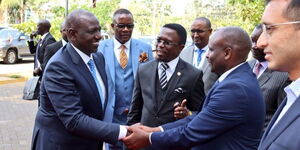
{"x":93,"y":71}
{"x":200,"y":51}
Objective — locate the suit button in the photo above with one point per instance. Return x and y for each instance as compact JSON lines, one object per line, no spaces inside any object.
{"x":156,"y":117}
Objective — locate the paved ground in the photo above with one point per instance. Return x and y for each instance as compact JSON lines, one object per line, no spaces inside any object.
{"x":16,"y":118}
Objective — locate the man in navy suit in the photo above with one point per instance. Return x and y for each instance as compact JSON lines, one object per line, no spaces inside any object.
{"x":232,"y":116}
{"x":281,"y":43}
{"x":74,"y":93}
{"x":122,"y":56}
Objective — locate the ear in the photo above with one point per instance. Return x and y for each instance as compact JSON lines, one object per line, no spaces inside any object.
{"x":227,"y":53}
{"x":71,"y":34}
{"x":112,"y":25}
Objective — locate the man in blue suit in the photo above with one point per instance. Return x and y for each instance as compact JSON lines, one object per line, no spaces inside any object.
{"x":232,"y":116}
{"x":74,"y":93}
{"x":122,"y":56}
{"x":281,"y":43}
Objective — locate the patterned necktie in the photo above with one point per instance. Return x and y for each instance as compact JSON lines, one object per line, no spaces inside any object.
{"x":257,"y":68}
{"x":91,"y":64}
{"x":123,"y":57}
{"x":200,"y":51}
{"x":163,"y":76}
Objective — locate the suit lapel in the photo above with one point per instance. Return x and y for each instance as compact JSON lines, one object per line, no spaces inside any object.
{"x":82,"y":68}
{"x":264,"y":77}
{"x":109,"y":57}
{"x":190,"y":54}
{"x":153,"y":75}
{"x":134,"y":51}
{"x":178,"y":73}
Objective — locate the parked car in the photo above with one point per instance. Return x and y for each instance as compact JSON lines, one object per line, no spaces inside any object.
{"x":13,"y":46}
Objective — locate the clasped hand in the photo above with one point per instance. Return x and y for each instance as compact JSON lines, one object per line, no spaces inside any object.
{"x":138,"y":136}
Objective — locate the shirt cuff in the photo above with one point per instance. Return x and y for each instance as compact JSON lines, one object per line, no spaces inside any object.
{"x":150,"y":137}
{"x":123,"y":132}
{"x":161,"y":129}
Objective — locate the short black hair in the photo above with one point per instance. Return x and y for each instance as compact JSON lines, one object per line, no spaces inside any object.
{"x":121,"y":11}
{"x":180,"y":31}
{"x":206,"y":20}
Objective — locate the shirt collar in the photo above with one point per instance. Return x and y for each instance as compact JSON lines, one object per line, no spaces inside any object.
{"x":264,"y":64}
{"x":294,"y":86}
{"x":205,"y":48}
{"x":63,"y":42}
{"x":172,"y":64}
{"x":43,"y":36}
{"x":225,"y":74}
{"x":83,"y":56}
{"x":118,"y":44}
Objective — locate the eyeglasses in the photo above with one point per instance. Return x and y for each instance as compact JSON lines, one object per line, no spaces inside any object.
{"x":198,"y":31}
{"x":267,"y":28}
{"x":122,"y":26}
{"x":165,"y":43}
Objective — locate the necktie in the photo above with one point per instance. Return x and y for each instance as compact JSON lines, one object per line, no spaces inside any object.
{"x":200,"y":51}
{"x":91,"y":64}
{"x":123,"y":57}
{"x":257,"y":68}
{"x":163,"y":76}
{"x":37,"y":54}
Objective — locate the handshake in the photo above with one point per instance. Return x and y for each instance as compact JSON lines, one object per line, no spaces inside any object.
{"x":138,"y":136}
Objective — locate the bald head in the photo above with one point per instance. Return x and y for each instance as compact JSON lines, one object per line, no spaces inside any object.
{"x":43,"y":26}
{"x":237,"y":39}
{"x":76,"y":17}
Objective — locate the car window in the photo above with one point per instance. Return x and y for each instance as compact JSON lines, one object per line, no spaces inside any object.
{"x":4,"y":34}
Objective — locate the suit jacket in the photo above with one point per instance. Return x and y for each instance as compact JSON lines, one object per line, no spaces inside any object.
{"x":50,"y":50}
{"x":152,"y":110}
{"x":106,"y":47}
{"x":285,"y":135}
{"x":232,"y":118}
{"x":272,"y":84}
{"x":41,"y":47}
{"x":209,"y":78}
{"x":70,"y":112}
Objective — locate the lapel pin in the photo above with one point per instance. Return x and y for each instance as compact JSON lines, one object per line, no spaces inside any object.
{"x":178,"y":73}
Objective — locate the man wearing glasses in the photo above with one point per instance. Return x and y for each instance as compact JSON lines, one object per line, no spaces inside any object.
{"x":162,"y":82}
{"x":281,"y":43}
{"x":122,"y":59}
{"x":195,"y":54}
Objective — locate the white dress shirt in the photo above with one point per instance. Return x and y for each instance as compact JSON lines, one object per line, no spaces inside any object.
{"x":86,"y":58}
{"x":172,"y":66}
{"x":203,"y":56}
{"x":117,"y":48}
{"x":292,"y":93}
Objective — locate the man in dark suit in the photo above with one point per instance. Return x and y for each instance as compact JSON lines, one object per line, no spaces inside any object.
{"x":152,"y":104}
{"x":232,"y":116}
{"x":74,"y":93}
{"x":270,"y":82}
{"x":195,"y":54}
{"x":281,"y":43}
{"x":43,"y":28}
{"x":54,"y":47}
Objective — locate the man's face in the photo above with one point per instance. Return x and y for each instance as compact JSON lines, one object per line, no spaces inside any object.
{"x":40,"y":28}
{"x":257,"y":53}
{"x":280,"y":43}
{"x":123,"y":27}
{"x":167,"y":46}
{"x":216,"y":55}
{"x":200,"y":33}
{"x":87,"y":35}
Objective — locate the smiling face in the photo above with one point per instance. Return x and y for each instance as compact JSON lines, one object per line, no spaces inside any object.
{"x":85,"y":34}
{"x":168,"y":47}
{"x":122,"y":34}
{"x":201,"y":38}
{"x":280,"y":43}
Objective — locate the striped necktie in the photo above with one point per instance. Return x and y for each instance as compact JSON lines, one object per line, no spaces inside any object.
{"x":91,"y":64}
{"x":163,"y":76}
{"x":200,"y":51}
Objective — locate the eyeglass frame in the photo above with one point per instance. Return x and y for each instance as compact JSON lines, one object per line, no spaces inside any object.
{"x":164,"y":42}
{"x":129,"y":26}
{"x":267,"y":27}
{"x":193,"y":31}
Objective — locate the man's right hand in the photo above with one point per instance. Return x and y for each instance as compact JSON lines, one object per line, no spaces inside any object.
{"x":32,"y":35}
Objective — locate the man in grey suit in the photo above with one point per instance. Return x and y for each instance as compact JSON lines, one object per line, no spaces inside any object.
{"x":195,"y":54}
{"x":271,"y":82}
{"x":162,"y":82}
{"x":280,"y":40}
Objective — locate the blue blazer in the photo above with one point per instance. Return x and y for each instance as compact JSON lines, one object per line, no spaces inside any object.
{"x":285,"y":135}
{"x":232,"y":118}
{"x":70,"y":112}
{"x":106,"y":47}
